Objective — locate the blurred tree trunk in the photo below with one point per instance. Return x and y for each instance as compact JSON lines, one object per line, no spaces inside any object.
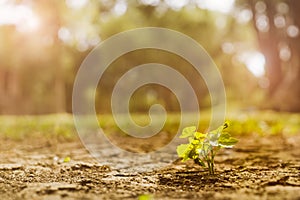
{"x":2,"y":91}
{"x":10,"y":92}
{"x":268,"y":44}
{"x":59,"y":89}
{"x":288,"y":94}
{"x":283,"y":76}
{"x":10,"y":75}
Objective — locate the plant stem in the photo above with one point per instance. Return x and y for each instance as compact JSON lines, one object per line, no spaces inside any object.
{"x":212,"y":167}
{"x":212,"y":162}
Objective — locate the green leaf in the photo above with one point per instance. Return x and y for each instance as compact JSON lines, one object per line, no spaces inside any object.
{"x":145,"y":197}
{"x":205,"y":148}
{"x":225,"y":140}
{"x":225,"y":135}
{"x":188,"y":132}
{"x":192,"y":154}
{"x":218,"y":131}
{"x":213,"y":137}
{"x":199,"y":136}
{"x":195,"y":142}
{"x":67,"y":159}
{"x":182,"y":150}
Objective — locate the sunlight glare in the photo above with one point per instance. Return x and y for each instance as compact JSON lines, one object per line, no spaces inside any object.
{"x":76,"y":4}
{"x":120,"y":7}
{"x":65,"y":35}
{"x":224,"y":6}
{"x":176,"y":5}
{"x":150,"y":2}
{"x":292,"y":31}
{"x":254,"y":61}
{"x":21,"y":16}
{"x":244,"y":16}
{"x":3,"y":2}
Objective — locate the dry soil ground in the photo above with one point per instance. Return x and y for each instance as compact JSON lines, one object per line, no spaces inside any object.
{"x":257,"y":168}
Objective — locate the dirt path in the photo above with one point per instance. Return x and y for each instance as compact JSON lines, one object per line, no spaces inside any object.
{"x":257,"y":168}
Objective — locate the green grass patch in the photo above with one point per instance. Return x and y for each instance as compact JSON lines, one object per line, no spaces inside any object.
{"x":264,"y":123}
{"x":62,"y":125}
{"x":22,"y":127}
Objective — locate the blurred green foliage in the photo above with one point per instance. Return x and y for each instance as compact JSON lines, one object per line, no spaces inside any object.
{"x":61,"y":126}
{"x":21,"y":127}
{"x":38,"y":67}
{"x":265,"y":123}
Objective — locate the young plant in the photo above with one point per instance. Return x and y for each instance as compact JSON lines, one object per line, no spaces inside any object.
{"x":202,"y":148}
